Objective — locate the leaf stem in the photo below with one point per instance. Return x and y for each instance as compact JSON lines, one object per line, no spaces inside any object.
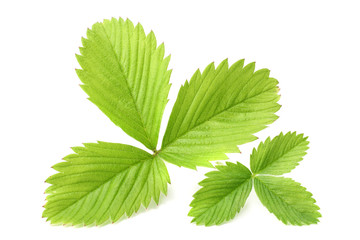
{"x":156,"y":152}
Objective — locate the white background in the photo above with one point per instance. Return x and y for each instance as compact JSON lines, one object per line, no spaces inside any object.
{"x":311,"y":47}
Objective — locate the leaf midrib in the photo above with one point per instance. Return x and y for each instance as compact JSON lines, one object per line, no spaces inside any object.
{"x":152,"y":147}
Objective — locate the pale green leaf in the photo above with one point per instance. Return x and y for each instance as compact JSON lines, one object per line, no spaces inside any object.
{"x":287,"y":200}
{"x":125,"y":74}
{"x":218,"y":110}
{"x":279,"y":155}
{"x":222,"y":195}
{"x":103,"y":181}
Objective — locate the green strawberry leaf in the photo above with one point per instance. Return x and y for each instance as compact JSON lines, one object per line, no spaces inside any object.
{"x":103,"y":181}
{"x":216,"y":111}
{"x":287,"y":200}
{"x":222,"y":195}
{"x":225,"y":191}
{"x":279,"y":155}
{"x":125,"y":75}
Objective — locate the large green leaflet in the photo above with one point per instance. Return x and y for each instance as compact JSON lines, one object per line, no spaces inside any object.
{"x":216,"y":111}
{"x":225,"y":191}
{"x":287,"y":199}
{"x":103,"y":181}
{"x":125,"y":75}
{"x":222,"y":195}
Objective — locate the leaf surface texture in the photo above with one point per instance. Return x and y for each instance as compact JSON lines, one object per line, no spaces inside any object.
{"x":279,"y":155}
{"x":287,"y":200}
{"x":125,"y":74}
{"x":101,"y":182}
{"x":217,"y":110}
{"x":222,"y":195}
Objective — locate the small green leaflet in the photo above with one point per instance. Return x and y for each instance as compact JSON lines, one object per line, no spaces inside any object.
{"x":280,"y":155}
{"x":222,"y":195}
{"x":287,"y":199}
{"x":103,"y":181}
{"x":218,"y":110}
{"x":125,"y":74}
{"x":225,"y":191}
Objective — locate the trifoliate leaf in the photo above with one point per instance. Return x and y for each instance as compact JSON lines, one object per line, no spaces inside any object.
{"x":125,"y":74}
{"x":103,"y":181}
{"x":218,"y":110}
{"x":222,"y":195}
{"x":225,"y":191}
{"x":287,"y":200}
{"x":279,"y":155}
